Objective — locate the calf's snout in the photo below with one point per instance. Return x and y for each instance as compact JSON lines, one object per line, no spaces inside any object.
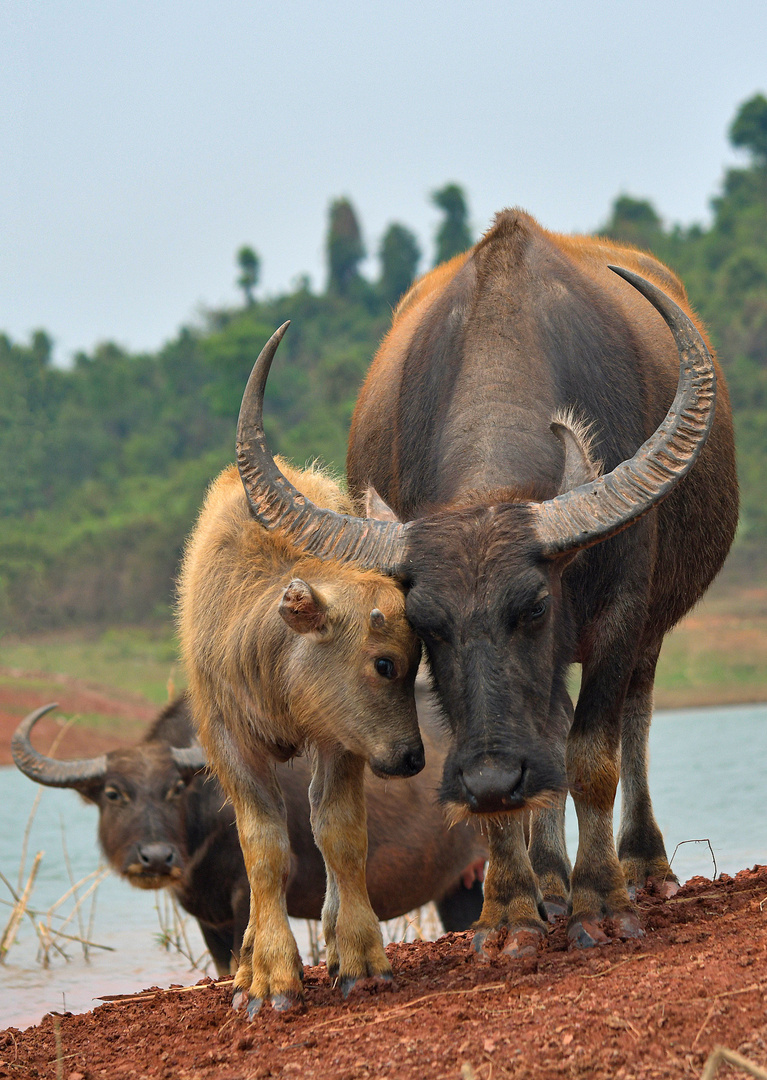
{"x":403,"y":759}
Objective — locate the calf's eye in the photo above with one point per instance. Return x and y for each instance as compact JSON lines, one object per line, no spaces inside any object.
{"x":385,"y":667}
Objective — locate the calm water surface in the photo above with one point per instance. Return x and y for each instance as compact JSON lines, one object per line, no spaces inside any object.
{"x":708,"y":782}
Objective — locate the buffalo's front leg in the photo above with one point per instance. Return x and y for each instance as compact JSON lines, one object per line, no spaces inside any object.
{"x":549,"y":858}
{"x":352,"y":931}
{"x":640,"y":842}
{"x":513,"y":901}
{"x":598,"y":886}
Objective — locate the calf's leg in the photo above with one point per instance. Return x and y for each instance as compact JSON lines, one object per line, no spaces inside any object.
{"x":352,"y":931}
{"x":270,"y":964}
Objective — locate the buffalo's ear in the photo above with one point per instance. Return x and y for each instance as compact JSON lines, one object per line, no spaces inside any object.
{"x":580,"y":466}
{"x":303,"y":609}
{"x":376,"y":508}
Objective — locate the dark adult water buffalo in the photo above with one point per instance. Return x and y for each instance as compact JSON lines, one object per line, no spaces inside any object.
{"x":520,"y":418}
{"x":162,"y":823}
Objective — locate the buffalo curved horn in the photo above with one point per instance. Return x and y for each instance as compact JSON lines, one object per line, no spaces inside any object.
{"x":189,"y":759}
{"x":44,"y":770}
{"x":602,"y":507}
{"x":277,"y":504}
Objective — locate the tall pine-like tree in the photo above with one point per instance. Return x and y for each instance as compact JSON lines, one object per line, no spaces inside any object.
{"x":453,"y":235}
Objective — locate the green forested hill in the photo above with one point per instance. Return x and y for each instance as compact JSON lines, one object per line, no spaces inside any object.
{"x":103,"y":466}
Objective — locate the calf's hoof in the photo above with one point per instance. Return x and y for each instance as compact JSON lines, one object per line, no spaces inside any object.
{"x":280,"y":1003}
{"x":380,"y":981}
{"x":514,"y":942}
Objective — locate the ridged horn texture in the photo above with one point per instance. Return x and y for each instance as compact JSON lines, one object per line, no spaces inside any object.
{"x":189,"y":759}
{"x":48,"y":771}
{"x":276,"y":504}
{"x":601,"y":508}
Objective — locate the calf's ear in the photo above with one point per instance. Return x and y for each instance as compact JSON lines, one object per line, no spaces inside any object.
{"x":303,"y":609}
{"x":376,"y":508}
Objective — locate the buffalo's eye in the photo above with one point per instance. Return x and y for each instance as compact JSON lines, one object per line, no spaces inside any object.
{"x":539,"y":609}
{"x":178,"y":789}
{"x":385,"y":667}
{"x":112,"y":793}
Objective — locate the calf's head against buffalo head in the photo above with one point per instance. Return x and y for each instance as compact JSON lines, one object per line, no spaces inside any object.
{"x":352,"y":665}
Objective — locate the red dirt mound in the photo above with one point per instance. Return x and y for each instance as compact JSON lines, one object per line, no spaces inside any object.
{"x":641,"y":1009}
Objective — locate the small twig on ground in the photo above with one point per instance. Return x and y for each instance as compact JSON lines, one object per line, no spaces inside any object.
{"x":703,"y":1026}
{"x":705,"y":840}
{"x":721,"y":1055}
{"x":609,"y":970}
{"x":753,"y":988}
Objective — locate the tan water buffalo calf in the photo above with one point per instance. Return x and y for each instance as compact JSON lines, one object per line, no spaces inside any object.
{"x":288,"y":652}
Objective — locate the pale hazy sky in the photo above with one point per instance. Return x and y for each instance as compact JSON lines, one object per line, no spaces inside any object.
{"x":142,"y":142}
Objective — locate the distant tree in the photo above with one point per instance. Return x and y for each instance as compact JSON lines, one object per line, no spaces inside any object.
{"x":634,"y":221}
{"x":345,"y":249}
{"x":250,"y":270}
{"x":748,"y":130}
{"x":453,"y":235}
{"x":400,"y":255}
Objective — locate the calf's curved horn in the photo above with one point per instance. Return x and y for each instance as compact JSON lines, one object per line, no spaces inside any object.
{"x":277,"y":504}
{"x":601,"y":508}
{"x":49,"y":771}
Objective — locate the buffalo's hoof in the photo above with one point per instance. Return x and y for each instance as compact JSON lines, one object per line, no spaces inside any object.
{"x":627,"y":925}
{"x":514,"y":942}
{"x":384,"y":981}
{"x":586,"y":933}
{"x":555,"y":907}
{"x":664,"y":887}
{"x":523,"y":942}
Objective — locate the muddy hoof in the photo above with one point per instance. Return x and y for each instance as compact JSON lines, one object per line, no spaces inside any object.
{"x":524,"y":942}
{"x":239,"y":999}
{"x":586,"y":933}
{"x":286,"y":1002}
{"x":350,"y":983}
{"x":664,"y":887}
{"x":254,"y":1007}
{"x":627,"y":926}
{"x":512,"y":942}
{"x":483,"y":944}
{"x":555,"y":907}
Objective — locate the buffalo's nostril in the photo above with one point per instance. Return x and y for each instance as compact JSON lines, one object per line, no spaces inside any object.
{"x":156,"y":858}
{"x":491,"y":790}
